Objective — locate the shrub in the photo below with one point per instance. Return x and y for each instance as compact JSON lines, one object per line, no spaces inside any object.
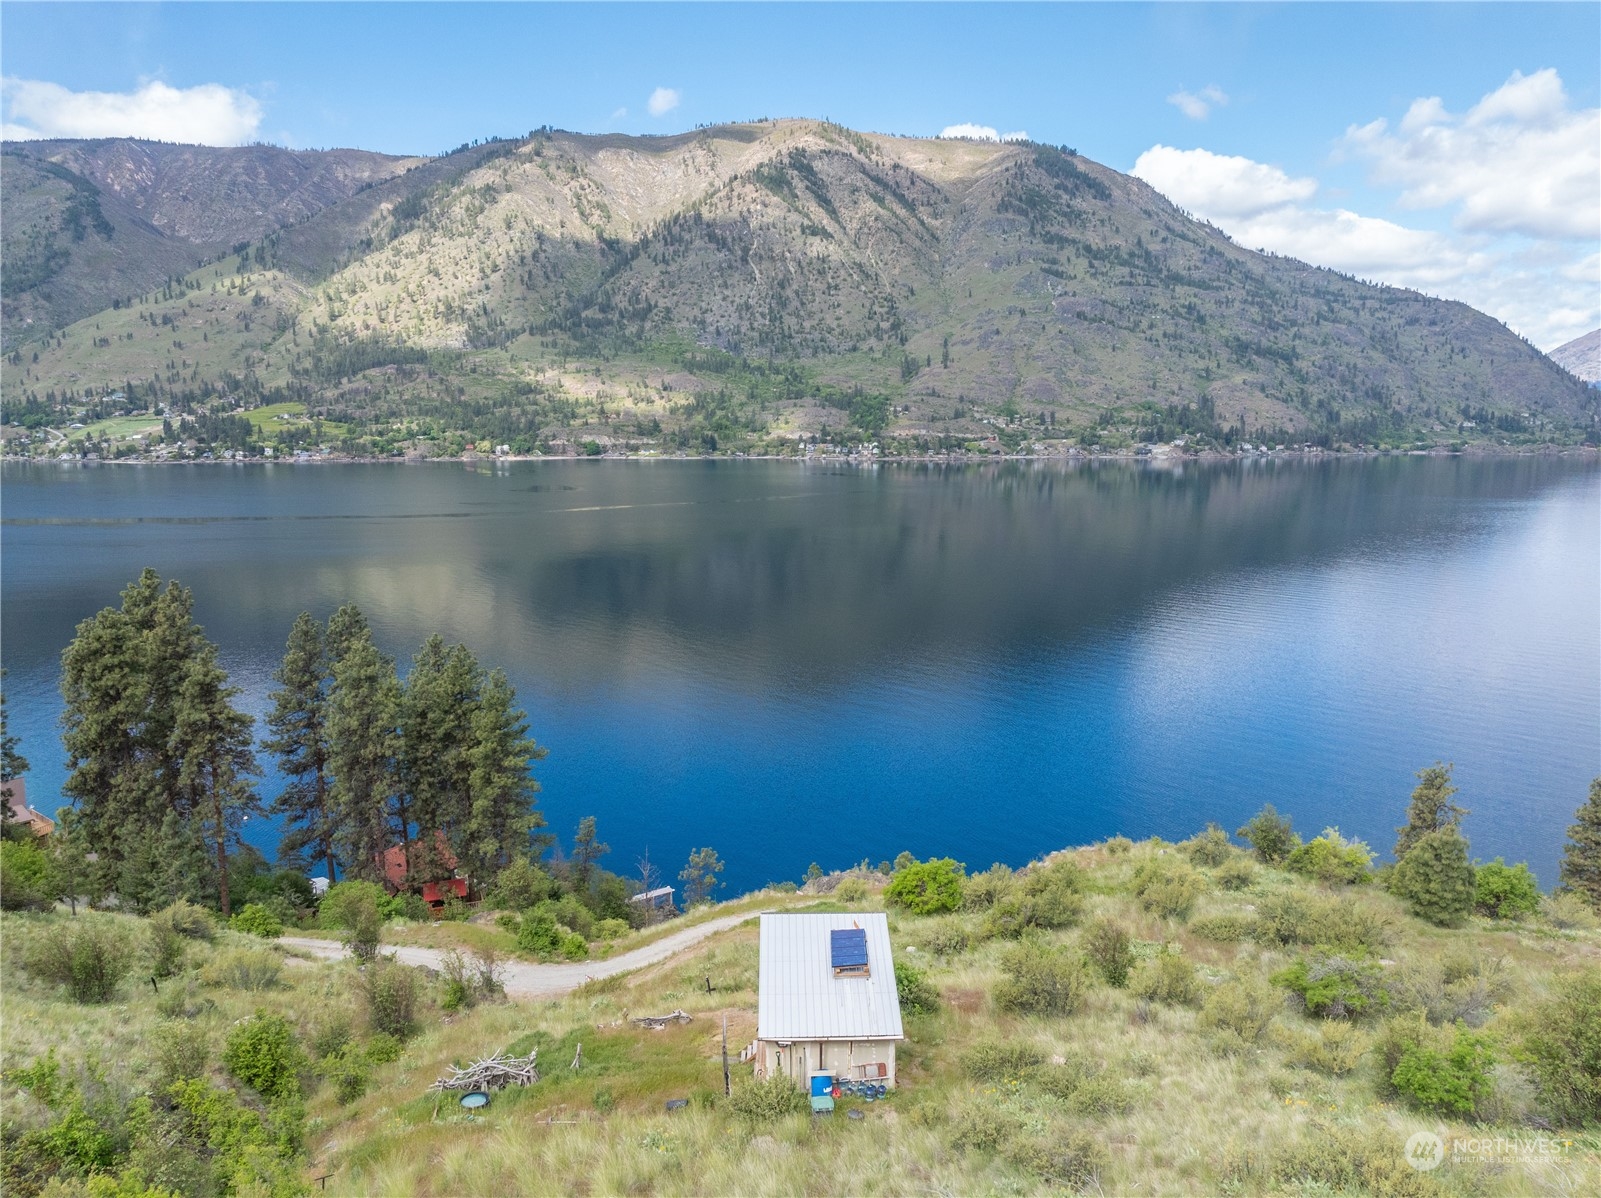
{"x":404,"y":906}
{"x":257,"y":921}
{"x":1463,"y":986}
{"x":927,"y":887}
{"x":262,"y":1053}
{"x":916,"y":993}
{"x":981,"y":1127}
{"x":1237,"y":873}
{"x":1270,"y":836}
{"x":1040,"y":981}
{"x":252,"y":969}
{"x":1290,"y":918}
{"x":1331,"y":858}
{"x":468,"y":981}
{"x":764,"y":1101}
{"x":1335,"y":987}
{"x":167,"y":949}
{"x":187,"y":920}
{"x":1560,"y":1041}
{"x":382,"y":1048}
{"x":1074,"y":1160}
{"x":1167,"y":978}
{"x":611,"y":929}
{"x":24,"y":876}
{"x":1331,"y":1047}
{"x":1119,"y":845}
{"x":851,"y":890}
{"x":1227,"y":928}
{"x":1100,"y":1095}
{"x":1456,"y":1081}
{"x":180,"y":1054}
{"x":1569,"y":911}
{"x":1331,"y":1160}
{"x":1208,"y":848}
{"x":349,"y":1072}
{"x":1505,"y":891}
{"x":574,"y":947}
{"x":88,"y":956}
{"x":538,"y":935}
{"x":944,"y":937}
{"x":1436,"y":877}
{"x":567,"y":912}
{"x":982,"y":891}
{"x":1241,"y":1009}
{"x":389,"y":993}
{"x":1110,"y":949}
{"x":356,"y":909}
{"x":1047,"y":898}
{"x":1168,"y":890}
{"x":521,"y":885}
{"x":997,"y":1060}
{"x":330,"y":1037}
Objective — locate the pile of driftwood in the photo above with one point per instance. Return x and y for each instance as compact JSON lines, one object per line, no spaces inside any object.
{"x":491,"y":1073}
{"x":657,"y":1022}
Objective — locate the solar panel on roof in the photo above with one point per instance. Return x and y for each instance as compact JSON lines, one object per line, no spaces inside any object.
{"x":848,"y":948}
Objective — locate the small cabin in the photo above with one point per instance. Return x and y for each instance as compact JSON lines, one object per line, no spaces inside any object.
{"x":15,"y":794}
{"x":659,"y":899}
{"x":827,"y":1003}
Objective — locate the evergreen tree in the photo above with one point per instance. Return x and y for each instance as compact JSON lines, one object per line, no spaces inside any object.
{"x":700,"y":875}
{"x":436,"y":728}
{"x":363,"y":709}
{"x":212,"y":743}
{"x":12,"y":763}
{"x":1431,"y":809}
{"x":503,"y":819}
{"x":1270,"y":835}
{"x":587,"y":849}
{"x":1437,"y":878}
{"x":299,"y":723}
{"x":346,"y":627}
{"x":72,"y":875}
{"x":1581,"y":859}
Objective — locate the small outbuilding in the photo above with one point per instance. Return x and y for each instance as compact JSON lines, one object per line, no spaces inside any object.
{"x":827,"y":1002}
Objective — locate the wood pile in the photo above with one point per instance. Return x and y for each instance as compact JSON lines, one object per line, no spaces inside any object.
{"x":657,"y":1022}
{"x":491,"y":1073}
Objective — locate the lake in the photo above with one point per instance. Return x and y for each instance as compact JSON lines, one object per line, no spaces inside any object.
{"x":798,"y":663}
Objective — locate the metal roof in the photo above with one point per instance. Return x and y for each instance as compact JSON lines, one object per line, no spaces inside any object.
{"x":800,"y":998}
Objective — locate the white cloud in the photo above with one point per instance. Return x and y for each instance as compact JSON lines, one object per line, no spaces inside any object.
{"x":971,"y":132}
{"x":662,"y":101}
{"x":1218,"y":185}
{"x":209,"y":114}
{"x":617,"y":115}
{"x":1198,"y":105}
{"x":1519,"y":161}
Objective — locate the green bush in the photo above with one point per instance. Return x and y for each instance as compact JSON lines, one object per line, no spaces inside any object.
{"x":915,"y":992}
{"x":764,"y":1101}
{"x":1040,"y":981}
{"x":1331,"y":858}
{"x":1119,"y":845}
{"x":1569,"y":911}
{"x":538,"y":935}
{"x":187,"y":920}
{"x":262,"y":1053}
{"x":167,"y":949}
{"x":1560,"y":1041}
{"x":1451,"y":1082}
{"x":567,"y":912}
{"x":1465,"y":986}
{"x":1168,"y":889}
{"x":521,"y":885}
{"x":382,"y":1048}
{"x":349,"y":1072}
{"x":997,"y":1060}
{"x":24,"y":876}
{"x":356,"y":909}
{"x":1209,"y":848}
{"x":1241,"y":1009}
{"x":1048,"y":897}
{"x":982,"y":891}
{"x":253,"y":969}
{"x":927,"y":887}
{"x":1505,"y":891}
{"x":1110,"y":950}
{"x":257,"y":921}
{"x":944,"y":937}
{"x":1269,"y":834}
{"x":1167,"y":978}
{"x":1074,"y":1160}
{"x":181,"y":1053}
{"x":389,"y":994}
{"x":405,"y":906}
{"x":1291,"y":918}
{"x":574,"y":947}
{"x":1100,"y":1095}
{"x":88,"y":956}
{"x":1436,"y":878}
{"x":611,"y":929}
{"x":1227,"y":928}
{"x":1237,"y":873}
{"x":1331,"y":1047}
{"x":1335,"y":987}
{"x":851,"y":890}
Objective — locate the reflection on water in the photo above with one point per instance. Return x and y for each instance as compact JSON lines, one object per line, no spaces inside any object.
{"x":798,"y":663}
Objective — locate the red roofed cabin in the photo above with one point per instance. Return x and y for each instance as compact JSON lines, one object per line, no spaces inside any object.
{"x":16,"y":799}
{"x":443,"y":886}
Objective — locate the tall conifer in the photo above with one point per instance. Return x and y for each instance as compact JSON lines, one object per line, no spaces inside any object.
{"x":1581,"y":858}
{"x":363,"y":711}
{"x":299,"y":723}
{"x":503,"y":820}
{"x":1431,"y":809}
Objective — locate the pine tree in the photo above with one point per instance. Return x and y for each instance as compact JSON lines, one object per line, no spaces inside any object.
{"x":12,"y":763}
{"x":363,"y":710}
{"x":299,"y":723}
{"x":212,"y":743}
{"x":1581,"y":859}
{"x":503,"y":820}
{"x":587,"y":849}
{"x":72,"y":875}
{"x":441,"y":696}
{"x":700,"y":875}
{"x":1431,"y":810}
{"x":1437,"y":878}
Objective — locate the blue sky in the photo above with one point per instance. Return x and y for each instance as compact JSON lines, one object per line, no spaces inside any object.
{"x":1260,"y":117}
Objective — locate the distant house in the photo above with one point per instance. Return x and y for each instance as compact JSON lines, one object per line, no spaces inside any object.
{"x":436,"y":885}
{"x":16,"y":799}
{"x":827,"y":1003}
{"x":660,"y":899}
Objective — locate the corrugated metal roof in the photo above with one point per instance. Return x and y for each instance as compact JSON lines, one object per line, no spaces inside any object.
{"x":799,"y":997}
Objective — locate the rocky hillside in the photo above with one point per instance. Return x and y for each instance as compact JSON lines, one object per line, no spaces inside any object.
{"x":1581,"y":356}
{"x":751,"y":283}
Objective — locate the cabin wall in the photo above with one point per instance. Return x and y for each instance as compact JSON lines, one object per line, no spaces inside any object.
{"x":801,"y":1058}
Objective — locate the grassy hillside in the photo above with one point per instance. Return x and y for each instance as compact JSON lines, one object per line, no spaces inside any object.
{"x":748,"y":286}
{"x":1025,"y":1070}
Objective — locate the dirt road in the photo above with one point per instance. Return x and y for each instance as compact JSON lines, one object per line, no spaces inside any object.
{"x":524,"y":979}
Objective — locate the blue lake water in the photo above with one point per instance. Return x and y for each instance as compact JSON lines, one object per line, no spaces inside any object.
{"x":801,"y":663}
